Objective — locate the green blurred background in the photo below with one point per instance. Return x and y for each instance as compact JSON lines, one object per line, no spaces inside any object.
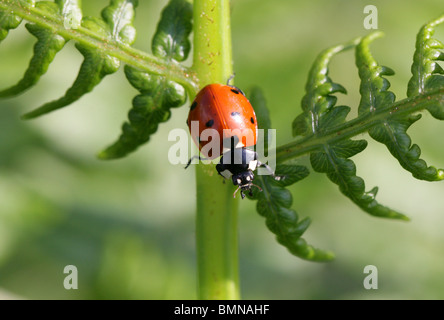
{"x":128,"y":225}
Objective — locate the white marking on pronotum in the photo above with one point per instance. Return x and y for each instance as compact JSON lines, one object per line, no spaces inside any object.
{"x":252,"y":165}
{"x":226,"y":174}
{"x":240,"y":145}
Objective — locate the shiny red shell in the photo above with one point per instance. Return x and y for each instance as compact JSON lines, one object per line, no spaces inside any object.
{"x":221,"y":107}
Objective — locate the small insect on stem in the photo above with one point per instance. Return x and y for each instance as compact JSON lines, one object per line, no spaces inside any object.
{"x":225,"y":108}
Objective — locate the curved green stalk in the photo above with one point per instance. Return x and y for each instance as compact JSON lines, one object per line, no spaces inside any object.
{"x":357,"y":126}
{"x":216,"y":224}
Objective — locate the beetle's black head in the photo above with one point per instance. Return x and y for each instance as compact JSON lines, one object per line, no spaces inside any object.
{"x":244,"y":181}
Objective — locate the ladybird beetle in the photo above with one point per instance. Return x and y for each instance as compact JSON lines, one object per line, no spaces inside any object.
{"x":226,"y":109}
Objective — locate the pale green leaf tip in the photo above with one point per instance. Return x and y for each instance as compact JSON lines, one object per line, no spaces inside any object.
{"x":375,"y":35}
{"x":403,"y":218}
{"x":34,"y":114}
{"x":101,"y":155}
{"x":329,"y":256}
{"x":435,"y":21}
{"x":317,"y":255}
{"x":104,"y":155}
{"x":395,"y":215}
{"x":27,"y":116}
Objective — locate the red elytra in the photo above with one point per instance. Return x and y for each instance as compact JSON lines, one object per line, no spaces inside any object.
{"x":220,"y":107}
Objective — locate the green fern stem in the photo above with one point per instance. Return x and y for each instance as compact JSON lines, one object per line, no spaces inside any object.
{"x":131,"y":56}
{"x":358,"y":125}
{"x":216,"y":221}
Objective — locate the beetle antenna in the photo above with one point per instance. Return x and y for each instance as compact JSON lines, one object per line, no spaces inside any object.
{"x":234,"y":194}
{"x":255,"y":185}
{"x":230,"y":78}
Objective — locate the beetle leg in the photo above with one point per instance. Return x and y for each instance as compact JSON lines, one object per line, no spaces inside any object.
{"x":268,"y":168}
{"x":195,"y":157}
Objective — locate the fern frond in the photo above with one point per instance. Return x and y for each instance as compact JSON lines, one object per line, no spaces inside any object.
{"x":427,"y":74}
{"x":332,"y":157}
{"x":158,"y":94}
{"x":274,"y":204}
{"x":274,"y":201}
{"x":9,"y":20}
{"x":115,"y":25}
{"x":391,"y":131}
{"x":47,"y":46}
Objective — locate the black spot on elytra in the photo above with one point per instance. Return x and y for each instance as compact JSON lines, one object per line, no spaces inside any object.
{"x":252,"y":120}
{"x":235,"y":91}
{"x":209,"y":123}
{"x":193,"y":106}
{"x":198,"y":139}
{"x":233,"y":114}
